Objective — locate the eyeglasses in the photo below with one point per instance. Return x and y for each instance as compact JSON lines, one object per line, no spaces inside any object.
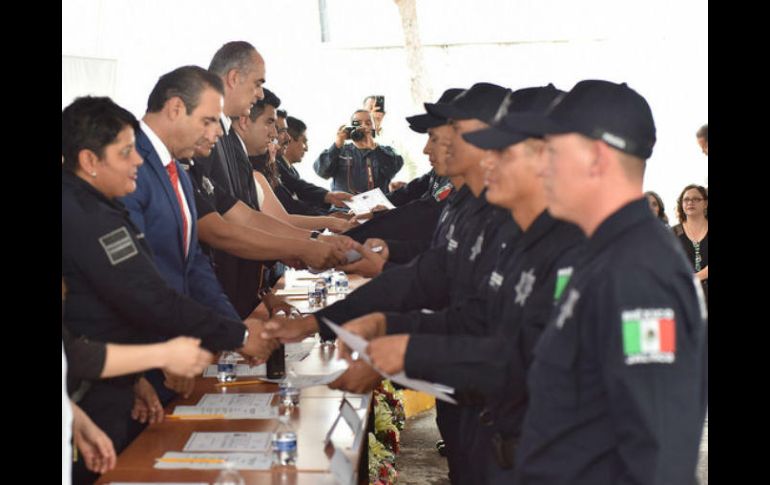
{"x":694,"y":200}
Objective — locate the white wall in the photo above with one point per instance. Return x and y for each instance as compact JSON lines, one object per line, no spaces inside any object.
{"x":660,"y":48}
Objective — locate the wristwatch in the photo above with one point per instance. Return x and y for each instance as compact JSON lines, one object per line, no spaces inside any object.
{"x":314,"y":234}
{"x":245,"y":337}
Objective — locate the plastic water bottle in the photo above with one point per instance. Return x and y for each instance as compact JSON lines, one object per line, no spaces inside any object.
{"x":226,"y":366}
{"x":329,"y":279}
{"x":314,"y":298}
{"x":284,"y":443}
{"x":288,"y":391}
{"x":229,"y":476}
{"x":322,"y":290}
{"x":341,"y":282}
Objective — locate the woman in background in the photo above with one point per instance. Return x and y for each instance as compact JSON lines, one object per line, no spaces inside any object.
{"x":693,"y":229}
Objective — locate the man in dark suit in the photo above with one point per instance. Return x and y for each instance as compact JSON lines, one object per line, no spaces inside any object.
{"x":242,"y":72}
{"x":182,"y":109}
{"x":308,"y":198}
{"x":162,"y":207}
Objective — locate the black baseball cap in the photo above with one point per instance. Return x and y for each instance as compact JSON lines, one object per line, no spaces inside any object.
{"x":606,"y":111}
{"x":420,"y":123}
{"x":479,"y":102}
{"x":517,"y":112}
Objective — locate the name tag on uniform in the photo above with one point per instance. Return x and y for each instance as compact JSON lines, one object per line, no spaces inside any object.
{"x":118,"y":245}
{"x":495,"y":280}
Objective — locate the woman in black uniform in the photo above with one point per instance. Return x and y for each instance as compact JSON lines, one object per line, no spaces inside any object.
{"x":115,"y":291}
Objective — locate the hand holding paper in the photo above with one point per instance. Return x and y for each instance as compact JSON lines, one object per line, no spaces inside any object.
{"x":366,"y":202}
{"x":359,"y":345}
{"x":387,"y":353}
{"x":367,"y":327}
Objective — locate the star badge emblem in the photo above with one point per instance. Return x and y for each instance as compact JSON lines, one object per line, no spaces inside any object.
{"x":524,"y":287}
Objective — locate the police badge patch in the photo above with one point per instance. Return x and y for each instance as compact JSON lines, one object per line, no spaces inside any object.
{"x":207,"y":185}
{"x":567,"y":308}
{"x":476,"y":249}
{"x":118,"y":245}
{"x":524,"y":287}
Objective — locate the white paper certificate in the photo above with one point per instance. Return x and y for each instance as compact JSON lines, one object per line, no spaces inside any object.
{"x":243,"y":442}
{"x":365,"y":202}
{"x":257,"y":399}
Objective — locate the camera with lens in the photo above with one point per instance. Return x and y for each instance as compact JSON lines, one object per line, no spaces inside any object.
{"x":355,"y":132}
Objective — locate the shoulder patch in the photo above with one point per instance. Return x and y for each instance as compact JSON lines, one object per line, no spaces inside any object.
{"x":442,"y":192}
{"x":649,"y":336}
{"x":118,"y":245}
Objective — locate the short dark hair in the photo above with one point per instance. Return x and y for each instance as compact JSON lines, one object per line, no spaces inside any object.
{"x":233,"y":55}
{"x":295,"y":127}
{"x":91,"y":123}
{"x":680,"y":210}
{"x":703,"y":132}
{"x":187,"y":83}
{"x":359,"y":111}
{"x":259,"y":107}
{"x":281,"y":113}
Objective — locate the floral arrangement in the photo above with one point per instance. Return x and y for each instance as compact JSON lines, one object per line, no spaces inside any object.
{"x":389,"y":419}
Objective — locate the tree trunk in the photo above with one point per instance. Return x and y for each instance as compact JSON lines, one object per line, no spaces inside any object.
{"x":419,"y":87}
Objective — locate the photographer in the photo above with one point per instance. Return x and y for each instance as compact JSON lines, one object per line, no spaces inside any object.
{"x":361,"y":165}
{"x":376,"y":106}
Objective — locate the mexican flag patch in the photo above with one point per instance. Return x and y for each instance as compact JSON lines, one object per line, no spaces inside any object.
{"x":442,"y":192}
{"x":649,"y":336}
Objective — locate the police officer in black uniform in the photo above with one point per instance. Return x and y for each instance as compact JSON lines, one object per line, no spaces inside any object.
{"x":617,"y":387}
{"x":482,"y":345}
{"x":449,"y":272}
{"x":312,"y":199}
{"x":115,"y":292}
{"x":454,"y":266}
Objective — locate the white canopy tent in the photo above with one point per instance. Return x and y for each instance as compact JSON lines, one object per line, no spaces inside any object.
{"x":120,"y":48}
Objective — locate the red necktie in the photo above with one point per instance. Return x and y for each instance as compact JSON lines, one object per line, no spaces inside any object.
{"x":172,"y":173}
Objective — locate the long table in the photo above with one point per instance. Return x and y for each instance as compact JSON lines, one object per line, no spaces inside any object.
{"x":312,"y":420}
